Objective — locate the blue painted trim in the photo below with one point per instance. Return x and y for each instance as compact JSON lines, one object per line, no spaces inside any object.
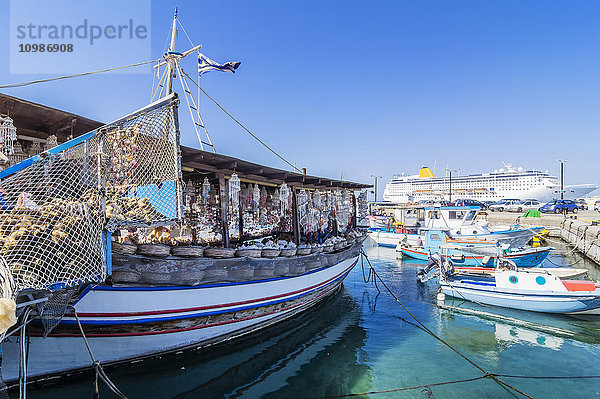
{"x":387,"y":245}
{"x":202,"y":314}
{"x":30,"y":161}
{"x":106,"y":247}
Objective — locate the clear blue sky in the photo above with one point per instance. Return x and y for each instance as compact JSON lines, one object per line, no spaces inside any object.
{"x":380,"y":87}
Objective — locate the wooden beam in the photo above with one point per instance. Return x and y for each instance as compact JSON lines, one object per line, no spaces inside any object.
{"x":295,"y":179}
{"x":226,"y":165}
{"x":253,"y":171}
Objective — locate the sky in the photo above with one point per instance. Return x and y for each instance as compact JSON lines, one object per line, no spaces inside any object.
{"x":355,"y":88}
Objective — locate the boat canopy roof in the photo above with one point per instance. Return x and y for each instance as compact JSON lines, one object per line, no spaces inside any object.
{"x":36,"y":122}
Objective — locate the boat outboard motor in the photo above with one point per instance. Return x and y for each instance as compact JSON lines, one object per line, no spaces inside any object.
{"x":435,"y":262}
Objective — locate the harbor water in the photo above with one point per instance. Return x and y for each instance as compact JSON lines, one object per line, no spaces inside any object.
{"x":360,"y":340}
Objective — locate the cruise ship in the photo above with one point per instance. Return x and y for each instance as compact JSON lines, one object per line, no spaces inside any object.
{"x":507,"y":182}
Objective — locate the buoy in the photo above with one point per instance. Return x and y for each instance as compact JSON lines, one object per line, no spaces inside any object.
{"x":536,"y":241}
{"x":441,"y":296}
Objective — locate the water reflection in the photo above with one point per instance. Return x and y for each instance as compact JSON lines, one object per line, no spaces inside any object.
{"x":361,"y":340}
{"x":328,"y":338}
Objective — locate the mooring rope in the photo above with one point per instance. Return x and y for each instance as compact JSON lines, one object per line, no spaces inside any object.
{"x":426,"y":329}
{"x":97,"y":366}
{"x":532,"y":377}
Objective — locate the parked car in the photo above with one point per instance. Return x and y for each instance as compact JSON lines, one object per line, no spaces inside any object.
{"x":471,"y":202}
{"x":597,"y":206}
{"x":559,"y":206}
{"x":581,"y":204}
{"x":524,"y":205}
{"x":500,"y":205}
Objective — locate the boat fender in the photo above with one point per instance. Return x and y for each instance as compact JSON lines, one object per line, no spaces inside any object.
{"x":458,"y":257}
{"x":486,"y":259}
{"x":8,"y":318}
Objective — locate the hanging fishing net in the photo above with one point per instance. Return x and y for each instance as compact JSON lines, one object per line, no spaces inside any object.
{"x":54,"y":206}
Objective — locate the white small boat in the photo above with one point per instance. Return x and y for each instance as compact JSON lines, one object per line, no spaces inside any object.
{"x":530,"y":289}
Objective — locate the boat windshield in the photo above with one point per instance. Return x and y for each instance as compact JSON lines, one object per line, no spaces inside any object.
{"x":470,"y":216}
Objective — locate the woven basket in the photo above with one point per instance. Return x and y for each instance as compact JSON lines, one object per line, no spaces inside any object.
{"x":339,"y":245}
{"x":215,"y":273}
{"x":241,"y":272}
{"x":124,"y":248}
{"x":265,"y":271}
{"x":188,"y":277}
{"x":187,"y":251}
{"x":270,"y":253}
{"x":157,"y":250}
{"x":296,"y":270}
{"x":303,"y":251}
{"x":155,"y":277}
{"x":316,"y":250}
{"x":126,"y":276}
{"x":219,"y":253}
{"x":328,"y":248}
{"x":288,"y":252}
{"x":252,"y":253}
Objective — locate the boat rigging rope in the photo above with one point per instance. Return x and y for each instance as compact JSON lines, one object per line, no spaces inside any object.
{"x":97,"y":366}
{"x":426,"y":329}
{"x":239,"y":123}
{"x":21,"y":84}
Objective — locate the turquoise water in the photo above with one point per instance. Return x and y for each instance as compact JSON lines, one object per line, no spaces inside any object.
{"x":361,"y":341}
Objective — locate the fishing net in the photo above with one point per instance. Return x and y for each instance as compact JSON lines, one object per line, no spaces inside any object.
{"x":54,"y":206}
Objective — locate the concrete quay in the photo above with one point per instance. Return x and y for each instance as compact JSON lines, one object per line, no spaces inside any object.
{"x":575,"y":229}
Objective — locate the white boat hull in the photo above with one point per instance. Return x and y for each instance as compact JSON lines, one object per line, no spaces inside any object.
{"x":550,"y":302}
{"x":127,"y":323}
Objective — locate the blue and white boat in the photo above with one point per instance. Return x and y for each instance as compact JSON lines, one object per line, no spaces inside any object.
{"x":531,"y":289}
{"x":458,"y":221}
{"x":471,"y":252}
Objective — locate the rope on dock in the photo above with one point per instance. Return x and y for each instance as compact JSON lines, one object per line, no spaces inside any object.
{"x":423,"y":327}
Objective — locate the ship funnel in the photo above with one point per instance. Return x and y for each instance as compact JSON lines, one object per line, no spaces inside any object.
{"x":425,"y":172}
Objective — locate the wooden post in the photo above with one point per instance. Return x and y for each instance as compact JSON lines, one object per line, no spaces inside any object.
{"x":223,"y":202}
{"x":354,"y":222}
{"x":295,"y":219}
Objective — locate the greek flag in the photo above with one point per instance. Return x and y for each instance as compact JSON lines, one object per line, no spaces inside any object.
{"x":205,"y":64}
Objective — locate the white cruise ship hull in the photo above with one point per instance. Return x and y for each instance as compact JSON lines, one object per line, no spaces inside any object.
{"x":513,"y":184}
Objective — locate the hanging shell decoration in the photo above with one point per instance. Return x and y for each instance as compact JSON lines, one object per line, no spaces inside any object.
{"x":317,"y":199}
{"x":205,"y":191}
{"x":234,"y":190}
{"x":255,"y":197}
{"x":284,"y":195}
{"x":8,"y":135}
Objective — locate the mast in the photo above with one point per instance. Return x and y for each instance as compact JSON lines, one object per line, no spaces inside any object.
{"x":170,"y":56}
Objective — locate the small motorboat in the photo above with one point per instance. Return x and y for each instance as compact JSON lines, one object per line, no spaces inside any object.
{"x":532,"y":289}
{"x":471,"y":252}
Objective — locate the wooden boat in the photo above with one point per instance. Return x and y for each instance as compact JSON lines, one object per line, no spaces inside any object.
{"x":471,"y":252}
{"x":139,"y":305}
{"x":134,"y":321}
